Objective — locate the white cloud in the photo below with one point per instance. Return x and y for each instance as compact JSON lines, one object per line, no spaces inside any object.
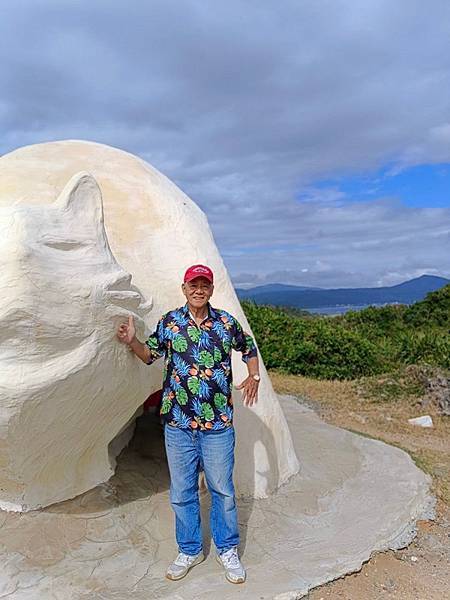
{"x":246,"y":106}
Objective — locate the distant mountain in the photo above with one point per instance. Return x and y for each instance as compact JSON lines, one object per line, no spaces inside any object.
{"x":301,"y":297}
{"x":271,"y":287}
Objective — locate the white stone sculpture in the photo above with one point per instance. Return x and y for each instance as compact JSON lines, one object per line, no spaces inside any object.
{"x":68,"y":388}
{"x":63,"y":394}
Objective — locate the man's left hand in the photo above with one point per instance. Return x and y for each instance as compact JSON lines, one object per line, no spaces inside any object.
{"x":249,"y":389}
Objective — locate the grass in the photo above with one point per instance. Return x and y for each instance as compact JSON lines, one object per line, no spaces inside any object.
{"x":391,"y":388}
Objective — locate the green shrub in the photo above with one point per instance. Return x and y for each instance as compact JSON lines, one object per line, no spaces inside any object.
{"x":368,"y":342}
{"x":313,"y":347}
{"x":376,"y":321}
{"x":433,"y":310}
{"x":424,"y":347}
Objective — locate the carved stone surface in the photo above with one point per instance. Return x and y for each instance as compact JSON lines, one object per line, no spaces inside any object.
{"x":63,"y":396}
{"x":67,"y":386}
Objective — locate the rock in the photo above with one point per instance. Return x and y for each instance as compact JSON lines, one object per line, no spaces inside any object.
{"x":424,"y":421}
{"x":389,"y":585}
{"x":436,"y":385}
{"x":438,"y":389}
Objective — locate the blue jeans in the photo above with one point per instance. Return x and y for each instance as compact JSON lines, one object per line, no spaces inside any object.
{"x":188,"y":451}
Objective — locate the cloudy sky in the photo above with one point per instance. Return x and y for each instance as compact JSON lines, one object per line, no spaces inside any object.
{"x":314,"y":134}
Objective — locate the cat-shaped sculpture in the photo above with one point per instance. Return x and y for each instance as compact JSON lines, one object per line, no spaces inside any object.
{"x":64,"y":380}
{"x":155,"y":231}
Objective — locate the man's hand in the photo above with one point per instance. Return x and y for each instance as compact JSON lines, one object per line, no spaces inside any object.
{"x":127,"y":331}
{"x":250,"y":391}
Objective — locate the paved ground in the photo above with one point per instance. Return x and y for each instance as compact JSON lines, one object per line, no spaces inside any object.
{"x":353,"y":496}
{"x":421,"y":570}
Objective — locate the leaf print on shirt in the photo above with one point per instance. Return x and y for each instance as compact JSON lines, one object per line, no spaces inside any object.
{"x":226,"y":343}
{"x":179,"y":343}
{"x":182,"y":396}
{"x":197,"y":407}
{"x":180,"y":319}
{"x":195,"y":355}
{"x":228,"y":413}
{"x":217,"y":354}
{"x":181,"y":365}
{"x":220,"y":378}
{"x":204,"y":389}
{"x":170,"y":330}
{"x":180,"y":418}
{"x":219,"y":328}
{"x":152,"y":342}
{"x":220,"y":401}
{"x":193,"y":333}
{"x":175,"y":381}
{"x":205,"y":340}
{"x":206,"y":358}
{"x":193,"y":385}
{"x":166,"y":404}
{"x":207,"y":412}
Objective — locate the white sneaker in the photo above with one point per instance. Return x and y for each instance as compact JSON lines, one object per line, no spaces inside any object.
{"x":234,"y":571}
{"x":181,"y":565}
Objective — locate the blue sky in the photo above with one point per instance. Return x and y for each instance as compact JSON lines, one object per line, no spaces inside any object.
{"x":315,"y":135}
{"x":426,"y":186}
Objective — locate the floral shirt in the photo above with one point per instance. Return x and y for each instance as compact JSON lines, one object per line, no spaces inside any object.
{"x":197,"y":366}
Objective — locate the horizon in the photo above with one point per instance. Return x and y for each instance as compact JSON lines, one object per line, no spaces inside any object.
{"x":340,"y":287}
{"x":299,"y":129}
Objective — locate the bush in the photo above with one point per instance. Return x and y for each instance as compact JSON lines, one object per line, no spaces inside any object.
{"x":313,"y":347}
{"x":433,"y":310}
{"x":376,"y":321}
{"x":424,"y":347}
{"x":367,"y":342}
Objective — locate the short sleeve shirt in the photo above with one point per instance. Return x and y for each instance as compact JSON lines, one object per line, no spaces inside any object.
{"x":197,"y":381}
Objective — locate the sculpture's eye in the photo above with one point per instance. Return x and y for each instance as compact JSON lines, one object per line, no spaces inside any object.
{"x":65,"y":244}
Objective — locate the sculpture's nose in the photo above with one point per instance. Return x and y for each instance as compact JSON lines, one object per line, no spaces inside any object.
{"x":119,"y":290}
{"x":120,"y":280}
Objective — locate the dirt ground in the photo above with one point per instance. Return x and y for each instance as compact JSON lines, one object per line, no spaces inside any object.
{"x":380,"y":408}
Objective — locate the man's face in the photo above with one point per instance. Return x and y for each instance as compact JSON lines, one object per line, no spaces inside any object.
{"x":198,"y":291}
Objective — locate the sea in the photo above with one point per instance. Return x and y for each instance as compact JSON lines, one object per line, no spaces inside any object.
{"x":333,"y":311}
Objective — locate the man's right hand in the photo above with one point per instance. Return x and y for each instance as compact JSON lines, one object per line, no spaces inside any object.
{"x":127,"y":331}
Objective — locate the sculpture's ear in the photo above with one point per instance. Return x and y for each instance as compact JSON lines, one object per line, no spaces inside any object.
{"x":82,"y":198}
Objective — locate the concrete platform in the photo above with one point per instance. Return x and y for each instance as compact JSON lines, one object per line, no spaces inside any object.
{"x":353,"y":496}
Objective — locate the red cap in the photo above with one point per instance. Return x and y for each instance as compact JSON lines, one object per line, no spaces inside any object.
{"x":198,"y":271}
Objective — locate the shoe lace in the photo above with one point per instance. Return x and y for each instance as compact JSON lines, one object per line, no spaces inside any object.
{"x":183,"y":559}
{"x":230,"y":559}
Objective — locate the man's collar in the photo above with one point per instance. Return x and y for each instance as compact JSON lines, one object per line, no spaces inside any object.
{"x":211,"y":311}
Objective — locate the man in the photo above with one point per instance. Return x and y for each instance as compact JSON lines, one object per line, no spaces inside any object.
{"x":196,"y":341}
